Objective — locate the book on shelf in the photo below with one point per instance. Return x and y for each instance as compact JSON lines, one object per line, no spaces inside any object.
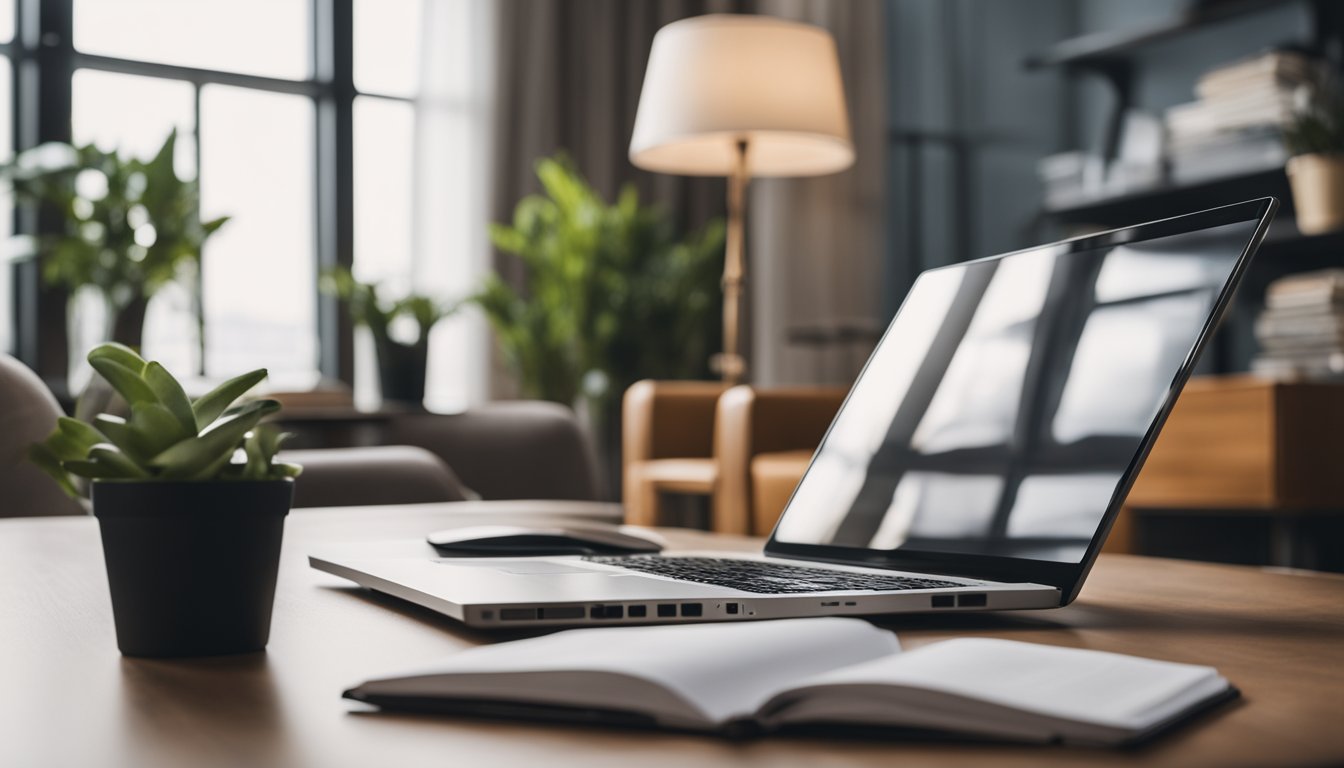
{"x":1320,"y":326}
{"x":751,"y":678}
{"x":1236,"y":123}
{"x":1322,"y":287}
{"x":1301,"y":329}
{"x":1277,"y":67}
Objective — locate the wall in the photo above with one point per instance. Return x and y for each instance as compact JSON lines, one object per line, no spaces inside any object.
{"x":967,"y":125}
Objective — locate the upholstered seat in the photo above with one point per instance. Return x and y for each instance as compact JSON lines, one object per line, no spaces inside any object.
{"x":667,"y":445}
{"x":763,"y":440}
{"x":28,"y":413}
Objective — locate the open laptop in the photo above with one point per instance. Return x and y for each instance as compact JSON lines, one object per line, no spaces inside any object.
{"x":977,"y":464}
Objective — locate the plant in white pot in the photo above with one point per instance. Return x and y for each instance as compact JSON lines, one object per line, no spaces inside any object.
{"x":1315,"y":142}
{"x":191,"y":504}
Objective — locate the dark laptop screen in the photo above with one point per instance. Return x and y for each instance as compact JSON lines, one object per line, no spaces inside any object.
{"x":999,"y":413}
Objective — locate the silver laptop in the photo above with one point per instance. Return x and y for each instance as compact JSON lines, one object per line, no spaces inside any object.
{"x":977,"y":464}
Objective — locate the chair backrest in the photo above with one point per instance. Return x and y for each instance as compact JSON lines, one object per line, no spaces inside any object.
{"x":28,"y":413}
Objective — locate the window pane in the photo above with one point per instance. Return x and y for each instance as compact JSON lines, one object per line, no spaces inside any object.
{"x":257,"y":37}
{"x":6,"y":23}
{"x":133,"y":115}
{"x":260,"y":277}
{"x":387,"y":46}
{"x":384,"y":144}
{"x":6,"y":214}
{"x":99,"y":115}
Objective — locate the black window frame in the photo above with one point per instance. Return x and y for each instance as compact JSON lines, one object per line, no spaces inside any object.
{"x":44,"y":61}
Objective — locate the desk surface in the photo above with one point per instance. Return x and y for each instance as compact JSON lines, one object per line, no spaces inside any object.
{"x":70,"y":700}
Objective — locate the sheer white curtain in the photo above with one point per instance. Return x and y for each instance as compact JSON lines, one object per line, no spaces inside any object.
{"x":452,"y":141}
{"x":424,"y":185}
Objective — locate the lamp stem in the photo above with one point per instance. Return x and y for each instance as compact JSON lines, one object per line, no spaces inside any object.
{"x":732,"y":365}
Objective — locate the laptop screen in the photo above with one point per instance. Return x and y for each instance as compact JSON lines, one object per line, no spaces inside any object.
{"x":1001,"y":410}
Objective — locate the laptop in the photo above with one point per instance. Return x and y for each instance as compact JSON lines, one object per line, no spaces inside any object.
{"x":977,"y":463}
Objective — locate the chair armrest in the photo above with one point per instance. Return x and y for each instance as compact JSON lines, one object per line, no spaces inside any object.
{"x":668,"y":419}
{"x":392,"y":474}
{"x":752,"y":421}
{"x":517,"y":449}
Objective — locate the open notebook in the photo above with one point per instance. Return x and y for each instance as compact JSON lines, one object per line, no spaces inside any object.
{"x":763,"y":676}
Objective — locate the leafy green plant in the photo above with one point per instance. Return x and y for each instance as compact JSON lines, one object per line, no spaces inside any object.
{"x":1317,"y":127}
{"x":131,"y":226}
{"x":401,"y":363}
{"x":610,"y":294}
{"x":368,"y":309}
{"x":167,"y":436}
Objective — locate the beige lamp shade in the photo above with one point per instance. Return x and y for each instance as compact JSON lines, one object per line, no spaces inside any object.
{"x":713,"y":81}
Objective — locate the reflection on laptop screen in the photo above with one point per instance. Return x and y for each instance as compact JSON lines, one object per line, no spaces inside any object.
{"x":1002,"y":408}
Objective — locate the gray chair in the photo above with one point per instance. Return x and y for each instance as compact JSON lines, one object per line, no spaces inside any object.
{"x":387,"y":474}
{"x":520,"y":449}
{"x":28,"y":413}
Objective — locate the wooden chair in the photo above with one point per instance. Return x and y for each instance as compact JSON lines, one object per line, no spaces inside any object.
{"x":763,"y":442}
{"x":667,"y":444}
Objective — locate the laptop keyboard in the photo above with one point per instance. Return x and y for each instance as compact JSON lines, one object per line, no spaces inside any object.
{"x":766,"y":578}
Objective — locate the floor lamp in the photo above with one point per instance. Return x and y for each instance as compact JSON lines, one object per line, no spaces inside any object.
{"x":741,"y":96}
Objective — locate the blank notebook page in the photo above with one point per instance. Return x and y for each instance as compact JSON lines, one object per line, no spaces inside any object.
{"x":1091,"y":686}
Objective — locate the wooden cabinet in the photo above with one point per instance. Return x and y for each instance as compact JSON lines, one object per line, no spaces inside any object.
{"x":1239,"y":445}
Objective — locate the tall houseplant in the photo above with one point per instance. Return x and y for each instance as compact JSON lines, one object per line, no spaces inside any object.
{"x":610,"y":293}
{"x":190,"y":502}
{"x":402,"y":362}
{"x":129,"y":226}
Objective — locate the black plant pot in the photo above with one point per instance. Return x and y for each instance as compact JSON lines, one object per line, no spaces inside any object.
{"x":401,"y":370}
{"x":191,"y":565}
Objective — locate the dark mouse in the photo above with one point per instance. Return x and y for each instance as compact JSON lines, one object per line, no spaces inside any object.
{"x":532,"y":541}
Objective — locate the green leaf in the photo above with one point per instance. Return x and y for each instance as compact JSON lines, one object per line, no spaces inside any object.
{"x":79,"y":434}
{"x":189,"y":457}
{"x":213,"y":469}
{"x":286,"y":470}
{"x":129,"y":440}
{"x":157,"y":426}
{"x":94,"y":470}
{"x":48,"y":462}
{"x":209,"y":406}
{"x":169,"y":392}
{"x":126,"y":381}
{"x":109,"y":456}
{"x":118,"y":353}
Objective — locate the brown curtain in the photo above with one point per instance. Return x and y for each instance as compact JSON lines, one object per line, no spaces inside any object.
{"x":568,"y":75}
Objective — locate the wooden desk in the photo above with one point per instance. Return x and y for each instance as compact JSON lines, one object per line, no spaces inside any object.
{"x":70,"y":700}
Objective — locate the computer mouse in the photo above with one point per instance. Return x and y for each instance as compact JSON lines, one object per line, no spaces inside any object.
{"x":529,"y":541}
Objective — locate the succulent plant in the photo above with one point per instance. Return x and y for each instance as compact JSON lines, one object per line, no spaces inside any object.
{"x":167,"y":436}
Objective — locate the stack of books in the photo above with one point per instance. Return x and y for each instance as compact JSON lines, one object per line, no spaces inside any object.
{"x":1301,"y":330}
{"x":1236,"y":125}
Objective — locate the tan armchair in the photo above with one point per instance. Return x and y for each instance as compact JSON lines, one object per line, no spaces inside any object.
{"x":667,"y":444}
{"x":763,"y":441}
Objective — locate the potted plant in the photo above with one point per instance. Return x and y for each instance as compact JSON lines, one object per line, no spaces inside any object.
{"x":403,"y":357}
{"x":130,"y":226}
{"x":1315,"y":142}
{"x":610,"y":295}
{"x":190,"y":502}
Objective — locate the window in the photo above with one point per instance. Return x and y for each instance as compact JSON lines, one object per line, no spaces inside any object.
{"x":99,"y":115}
{"x":260,"y":270}
{"x":255,"y":37}
{"x":261,"y":93}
